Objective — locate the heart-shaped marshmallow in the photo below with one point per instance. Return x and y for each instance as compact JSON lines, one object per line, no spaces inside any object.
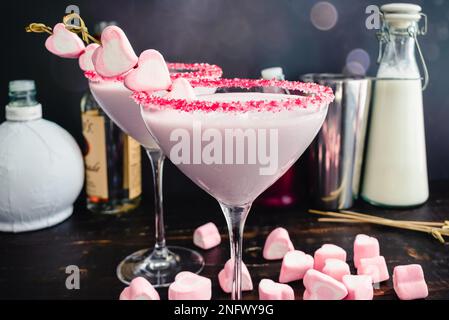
{"x":294,"y":266}
{"x":115,"y":56}
{"x":85,"y":59}
{"x":336,"y":269}
{"x":190,"y":286}
{"x":181,"y":89}
{"x":151,"y":74}
{"x":320,"y":286}
{"x":365,"y":247}
{"x":409,"y":282}
{"x":328,"y":251}
{"x":278,"y":243}
{"x":207,"y":236}
{"x":270,"y":290}
{"x":64,"y":43}
{"x":375,"y":267}
{"x":139,"y":289}
{"x":359,"y":287}
{"x":226,"y":275}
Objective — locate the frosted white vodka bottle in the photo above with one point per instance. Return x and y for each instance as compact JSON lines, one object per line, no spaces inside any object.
{"x":395,"y":165}
{"x":41,"y":166}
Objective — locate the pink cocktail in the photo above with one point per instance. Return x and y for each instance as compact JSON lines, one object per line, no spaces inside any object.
{"x":160,"y":264}
{"x":238,"y":141}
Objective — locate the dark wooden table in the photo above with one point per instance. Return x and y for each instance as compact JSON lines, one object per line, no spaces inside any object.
{"x":32,"y":265}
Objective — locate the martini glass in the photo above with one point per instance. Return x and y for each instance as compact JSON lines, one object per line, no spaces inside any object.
{"x":159,"y":264}
{"x":236,"y":142}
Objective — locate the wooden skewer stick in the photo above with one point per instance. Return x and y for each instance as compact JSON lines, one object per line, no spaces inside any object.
{"x":339,"y":220}
{"x":425,"y":223}
{"x":435,"y":232}
{"x":418,"y":223}
{"x":370,"y":220}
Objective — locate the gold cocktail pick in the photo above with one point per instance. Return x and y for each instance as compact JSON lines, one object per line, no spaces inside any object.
{"x":80,"y":30}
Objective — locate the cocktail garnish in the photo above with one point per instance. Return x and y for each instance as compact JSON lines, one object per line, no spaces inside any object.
{"x":312,"y":95}
{"x":151,"y":73}
{"x":177,"y":70}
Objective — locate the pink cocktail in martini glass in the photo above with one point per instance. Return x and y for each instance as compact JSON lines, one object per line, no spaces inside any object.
{"x":236,"y":142}
{"x":160,"y":264}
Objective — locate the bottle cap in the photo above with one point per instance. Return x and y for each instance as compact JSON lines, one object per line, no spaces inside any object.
{"x":23,"y":113}
{"x":21,"y":85}
{"x":273,"y":73}
{"x":401,"y":8}
{"x":401,"y":15}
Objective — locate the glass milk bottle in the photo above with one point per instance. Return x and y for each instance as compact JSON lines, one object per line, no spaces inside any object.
{"x":395,"y":165}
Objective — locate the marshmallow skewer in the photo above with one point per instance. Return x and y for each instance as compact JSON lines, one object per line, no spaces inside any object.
{"x":437,"y":233}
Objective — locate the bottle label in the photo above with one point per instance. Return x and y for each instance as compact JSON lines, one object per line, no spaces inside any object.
{"x":132,"y":167}
{"x":95,"y":154}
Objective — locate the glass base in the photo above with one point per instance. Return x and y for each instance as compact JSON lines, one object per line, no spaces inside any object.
{"x":160,"y":272}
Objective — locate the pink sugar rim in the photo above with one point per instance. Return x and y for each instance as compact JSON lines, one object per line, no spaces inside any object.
{"x":316,"y":95}
{"x":194,"y":71}
{"x":94,"y":76}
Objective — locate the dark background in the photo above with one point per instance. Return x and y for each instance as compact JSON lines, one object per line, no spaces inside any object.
{"x":242,"y":36}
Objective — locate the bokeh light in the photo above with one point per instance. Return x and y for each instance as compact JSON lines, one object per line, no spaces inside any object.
{"x":354,"y":68}
{"x":324,"y":15}
{"x":357,"y":62}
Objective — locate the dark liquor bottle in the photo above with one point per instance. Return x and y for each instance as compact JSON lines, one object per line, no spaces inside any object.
{"x":112,"y":159}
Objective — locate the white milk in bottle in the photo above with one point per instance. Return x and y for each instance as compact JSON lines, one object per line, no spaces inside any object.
{"x":395,"y":166}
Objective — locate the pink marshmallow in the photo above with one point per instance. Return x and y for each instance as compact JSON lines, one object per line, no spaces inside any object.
{"x":320,"y":286}
{"x":294,"y":266}
{"x":181,"y":89}
{"x":190,"y":286}
{"x":207,"y":236}
{"x":225,"y":277}
{"x":139,"y":289}
{"x":151,"y":73}
{"x":359,"y":287}
{"x":270,"y":290}
{"x":64,"y":43}
{"x":328,"y":251}
{"x":336,"y":269}
{"x":409,"y":282}
{"x":365,"y":247}
{"x":115,"y":56}
{"x":85,"y":60}
{"x":278,"y":243}
{"x":375,"y":267}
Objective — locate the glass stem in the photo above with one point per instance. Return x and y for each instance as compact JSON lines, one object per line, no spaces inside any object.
{"x":235,"y":219}
{"x":157,"y":164}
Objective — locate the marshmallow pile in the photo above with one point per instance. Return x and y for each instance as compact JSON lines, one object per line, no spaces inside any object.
{"x":326,"y":275}
{"x":115,"y":59}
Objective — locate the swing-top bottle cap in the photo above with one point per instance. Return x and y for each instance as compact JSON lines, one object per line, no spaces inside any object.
{"x":401,"y":8}
{"x":401,"y":15}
